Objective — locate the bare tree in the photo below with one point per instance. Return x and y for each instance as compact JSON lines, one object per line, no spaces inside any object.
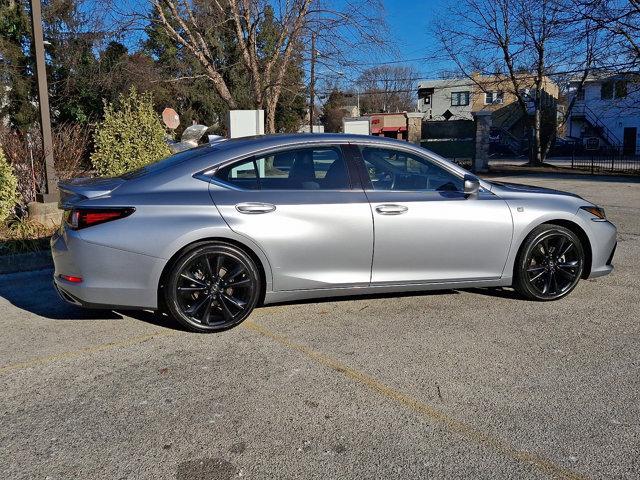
{"x":194,"y":25}
{"x":620,"y":22}
{"x":387,"y":88}
{"x":524,"y":42}
{"x":617,"y":22}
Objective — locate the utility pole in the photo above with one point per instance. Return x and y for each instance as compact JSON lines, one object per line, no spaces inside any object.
{"x":50,"y":193}
{"x":312,"y":83}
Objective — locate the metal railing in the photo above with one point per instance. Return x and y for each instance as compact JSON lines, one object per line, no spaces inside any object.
{"x":510,"y":141}
{"x":581,"y":109}
{"x":614,"y":162}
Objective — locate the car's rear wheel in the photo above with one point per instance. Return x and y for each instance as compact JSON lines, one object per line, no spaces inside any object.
{"x":212,"y":287}
{"x":549,"y":264}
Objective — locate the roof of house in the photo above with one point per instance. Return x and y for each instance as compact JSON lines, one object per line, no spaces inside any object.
{"x":444,"y":83}
{"x":601,"y":75}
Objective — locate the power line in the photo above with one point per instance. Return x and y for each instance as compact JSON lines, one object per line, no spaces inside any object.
{"x":494,"y":74}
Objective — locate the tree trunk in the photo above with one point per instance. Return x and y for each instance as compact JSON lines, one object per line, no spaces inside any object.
{"x":536,"y":152}
{"x":270,"y":126}
{"x":221,"y":88}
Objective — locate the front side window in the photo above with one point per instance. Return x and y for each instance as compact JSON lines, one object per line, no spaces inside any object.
{"x":606,"y":91}
{"x":397,"y":170}
{"x":459,"y":99}
{"x":317,"y":168}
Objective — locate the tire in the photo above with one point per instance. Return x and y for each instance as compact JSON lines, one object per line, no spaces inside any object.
{"x":212,"y":287}
{"x":549,"y":264}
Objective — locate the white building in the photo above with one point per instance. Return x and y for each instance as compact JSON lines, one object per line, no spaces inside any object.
{"x":607,"y":112}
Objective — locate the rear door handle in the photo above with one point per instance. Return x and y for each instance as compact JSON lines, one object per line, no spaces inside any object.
{"x":252,"y":208}
{"x":391,"y":209}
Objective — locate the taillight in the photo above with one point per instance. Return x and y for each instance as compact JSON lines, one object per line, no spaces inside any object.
{"x":71,"y":278}
{"x":78,"y":218}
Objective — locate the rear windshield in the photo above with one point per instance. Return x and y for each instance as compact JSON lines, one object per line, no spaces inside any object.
{"x":169,"y":161}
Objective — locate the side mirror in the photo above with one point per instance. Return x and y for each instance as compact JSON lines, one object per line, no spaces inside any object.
{"x":471,"y":186}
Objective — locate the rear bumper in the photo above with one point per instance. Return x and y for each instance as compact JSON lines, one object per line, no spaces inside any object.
{"x":110,"y":277}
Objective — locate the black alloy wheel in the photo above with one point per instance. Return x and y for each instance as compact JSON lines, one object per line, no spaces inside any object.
{"x":212,"y":287}
{"x":550,"y":263}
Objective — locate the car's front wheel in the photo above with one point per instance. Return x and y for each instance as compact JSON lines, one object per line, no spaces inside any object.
{"x":212,"y":287}
{"x":550,"y":263}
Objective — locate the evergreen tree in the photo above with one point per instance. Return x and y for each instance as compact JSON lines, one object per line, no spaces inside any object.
{"x":16,"y":79}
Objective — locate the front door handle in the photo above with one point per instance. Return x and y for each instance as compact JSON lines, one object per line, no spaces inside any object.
{"x":391,"y":209}
{"x":252,"y":208}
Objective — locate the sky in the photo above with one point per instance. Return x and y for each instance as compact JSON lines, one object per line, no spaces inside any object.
{"x":410,"y":24}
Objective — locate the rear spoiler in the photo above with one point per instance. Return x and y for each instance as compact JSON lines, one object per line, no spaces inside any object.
{"x":68,"y":198}
{"x":78,"y":189}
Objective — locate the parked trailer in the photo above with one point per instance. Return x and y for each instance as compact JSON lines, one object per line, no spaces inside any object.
{"x":357,"y":125}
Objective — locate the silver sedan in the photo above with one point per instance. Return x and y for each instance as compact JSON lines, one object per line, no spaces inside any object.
{"x":208,"y":234}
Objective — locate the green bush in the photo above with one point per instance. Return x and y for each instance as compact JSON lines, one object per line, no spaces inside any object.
{"x":130,"y":136}
{"x":8,"y":189}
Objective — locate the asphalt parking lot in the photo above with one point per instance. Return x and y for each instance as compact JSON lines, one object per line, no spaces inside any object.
{"x":454,"y":384}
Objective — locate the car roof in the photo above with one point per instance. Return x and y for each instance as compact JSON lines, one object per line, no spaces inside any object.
{"x":259,"y":142}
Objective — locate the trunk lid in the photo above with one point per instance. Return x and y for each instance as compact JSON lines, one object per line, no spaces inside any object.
{"x":77,"y":189}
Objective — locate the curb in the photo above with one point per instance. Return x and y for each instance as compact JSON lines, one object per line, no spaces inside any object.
{"x":23,"y":262}
{"x":582,"y":173}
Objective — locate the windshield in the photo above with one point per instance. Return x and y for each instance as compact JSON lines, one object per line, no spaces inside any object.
{"x":169,"y":161}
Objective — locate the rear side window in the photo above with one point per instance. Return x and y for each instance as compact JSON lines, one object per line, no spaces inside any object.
{"x":242,"y":175}
{"x":315,"y":168}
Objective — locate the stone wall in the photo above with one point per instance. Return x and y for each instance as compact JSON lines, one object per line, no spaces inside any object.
{"x":483,"y":130}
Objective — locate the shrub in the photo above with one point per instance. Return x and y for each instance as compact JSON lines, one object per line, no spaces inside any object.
{"x":71,"y":147}
{"x":130,"y":136}
{"x":15,"y":148}
{"x":23,"y":236}
{"x":8,"y":189}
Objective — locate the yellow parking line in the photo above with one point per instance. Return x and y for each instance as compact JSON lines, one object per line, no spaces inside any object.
{"x":82,"y":351}
{"x":469,"y":432}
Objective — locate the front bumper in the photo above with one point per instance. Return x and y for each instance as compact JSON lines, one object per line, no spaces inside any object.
{"x":110,"y":277}
{"x":603,"y":240}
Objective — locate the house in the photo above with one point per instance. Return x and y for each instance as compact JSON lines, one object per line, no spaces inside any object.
{"x":606,"y":112}
{"x":445,"y":99}
{"x":352,"y":110}
{"x":459,"y":99}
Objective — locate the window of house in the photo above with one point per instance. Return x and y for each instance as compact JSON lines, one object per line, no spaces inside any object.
{"x":396,"y":170}
{"x":621,"y":88}
{"x":580,"y":93}
{"x":493,"y":96}
{"x":459,"y":99}
{"x":424,"y":94}
{"x":606,"y":91}
{"x":318,"y":168}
